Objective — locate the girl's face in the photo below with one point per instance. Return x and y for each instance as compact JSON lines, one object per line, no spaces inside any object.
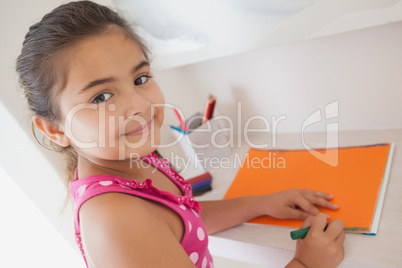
{"x":111,"y":106}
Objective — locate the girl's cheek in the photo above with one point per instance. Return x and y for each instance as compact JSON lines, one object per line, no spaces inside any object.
{"x":83,"y":128}
{"x":156,"y":94}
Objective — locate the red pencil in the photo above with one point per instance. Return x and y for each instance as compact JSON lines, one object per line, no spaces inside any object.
{"x":209,"y":107}
{"x":211,"y":110}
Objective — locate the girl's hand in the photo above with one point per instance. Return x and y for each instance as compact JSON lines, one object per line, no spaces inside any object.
{"x":323,"y":244}
{"x":295,"y":204}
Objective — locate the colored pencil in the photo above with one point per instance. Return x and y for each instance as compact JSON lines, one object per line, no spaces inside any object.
{"x":182,"y":123}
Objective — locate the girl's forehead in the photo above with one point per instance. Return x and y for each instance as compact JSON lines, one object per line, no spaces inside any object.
{"x":110,"y":54}
{"x":114,"y":39}
{"x":103,"y":52}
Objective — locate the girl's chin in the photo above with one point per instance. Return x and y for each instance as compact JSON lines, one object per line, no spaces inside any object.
{"x":127,"y":149}
{"x":137,"y":154}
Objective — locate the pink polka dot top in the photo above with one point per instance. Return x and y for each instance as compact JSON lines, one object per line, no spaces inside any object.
{"x":195,"y":238}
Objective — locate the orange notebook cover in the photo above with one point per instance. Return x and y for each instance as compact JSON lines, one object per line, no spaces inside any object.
{"x":356,"y":183}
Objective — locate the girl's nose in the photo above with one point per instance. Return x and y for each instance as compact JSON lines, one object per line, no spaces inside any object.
{"x":135,"y":104}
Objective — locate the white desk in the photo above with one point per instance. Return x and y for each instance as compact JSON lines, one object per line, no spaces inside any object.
{"x":271,"y":245}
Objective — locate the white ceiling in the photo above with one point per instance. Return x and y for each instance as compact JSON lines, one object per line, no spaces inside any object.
{"x":186,"y":31}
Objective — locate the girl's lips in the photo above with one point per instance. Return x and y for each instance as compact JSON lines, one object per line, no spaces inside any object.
{"x":139,"y":130}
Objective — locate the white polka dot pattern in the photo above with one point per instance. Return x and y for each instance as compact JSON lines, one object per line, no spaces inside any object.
{"x":200,"y":234}
{"x":204,"y":262}
{"x":105,"y":183}
{"x":195,"y":213}
{"x":81,"y":190}
{"x":194,"y":257}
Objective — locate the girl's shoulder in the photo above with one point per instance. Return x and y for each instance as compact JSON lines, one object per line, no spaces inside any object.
{"x":161,"y":164}
{"x":85,"y":188}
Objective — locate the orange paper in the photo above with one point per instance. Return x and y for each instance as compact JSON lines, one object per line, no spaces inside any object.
{"x":354,"y":182}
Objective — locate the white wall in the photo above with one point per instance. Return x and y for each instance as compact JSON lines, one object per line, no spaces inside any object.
{"x":30,"y":240}
{"x":29,"y":166}
{"x":34,"y":169}
{"x":360,"y":69}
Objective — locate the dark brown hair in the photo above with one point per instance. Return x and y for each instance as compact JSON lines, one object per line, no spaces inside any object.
{"x":40,"y":75}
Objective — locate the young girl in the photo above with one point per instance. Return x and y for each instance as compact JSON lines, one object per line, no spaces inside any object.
{"x":86,"y":76}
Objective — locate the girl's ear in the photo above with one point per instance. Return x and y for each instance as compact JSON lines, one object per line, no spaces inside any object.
{"x":54,"y":133}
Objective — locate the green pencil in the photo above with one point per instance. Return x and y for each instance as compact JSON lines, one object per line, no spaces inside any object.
{"x":301,"y":233}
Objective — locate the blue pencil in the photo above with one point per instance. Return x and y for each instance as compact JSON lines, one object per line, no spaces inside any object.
{"x":178,"y":129}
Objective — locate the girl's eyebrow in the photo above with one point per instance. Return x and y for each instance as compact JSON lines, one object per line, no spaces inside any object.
{"x":111,"y":79}
{"x":140,"y":65}
{"x":96,"y":83}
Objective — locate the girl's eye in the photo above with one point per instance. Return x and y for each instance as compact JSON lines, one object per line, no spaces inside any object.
{"x":102,"y":97}
{"x":141,"y":80}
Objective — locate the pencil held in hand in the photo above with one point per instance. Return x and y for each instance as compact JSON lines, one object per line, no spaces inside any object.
{"x":298,"y":234}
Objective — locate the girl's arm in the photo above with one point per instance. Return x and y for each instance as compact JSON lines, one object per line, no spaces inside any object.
{"x":290,"y":204}
{"x":114,"y":237}
{"x":323,"y":245}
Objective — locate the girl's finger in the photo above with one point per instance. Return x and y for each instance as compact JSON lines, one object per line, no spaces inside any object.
{"x":320,"y":199}
{"x":324,"y":203}
{"x":319,"y":223}
{"x":306,"y":205}
{"x":307,"y":222}
{"x":297,"y":214}
{"x":334,"y":229}
{"x":341,"y":238}
{"x":324,"y":195}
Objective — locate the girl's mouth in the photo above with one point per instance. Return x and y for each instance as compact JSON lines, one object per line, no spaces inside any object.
{"x":143,"y":129}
